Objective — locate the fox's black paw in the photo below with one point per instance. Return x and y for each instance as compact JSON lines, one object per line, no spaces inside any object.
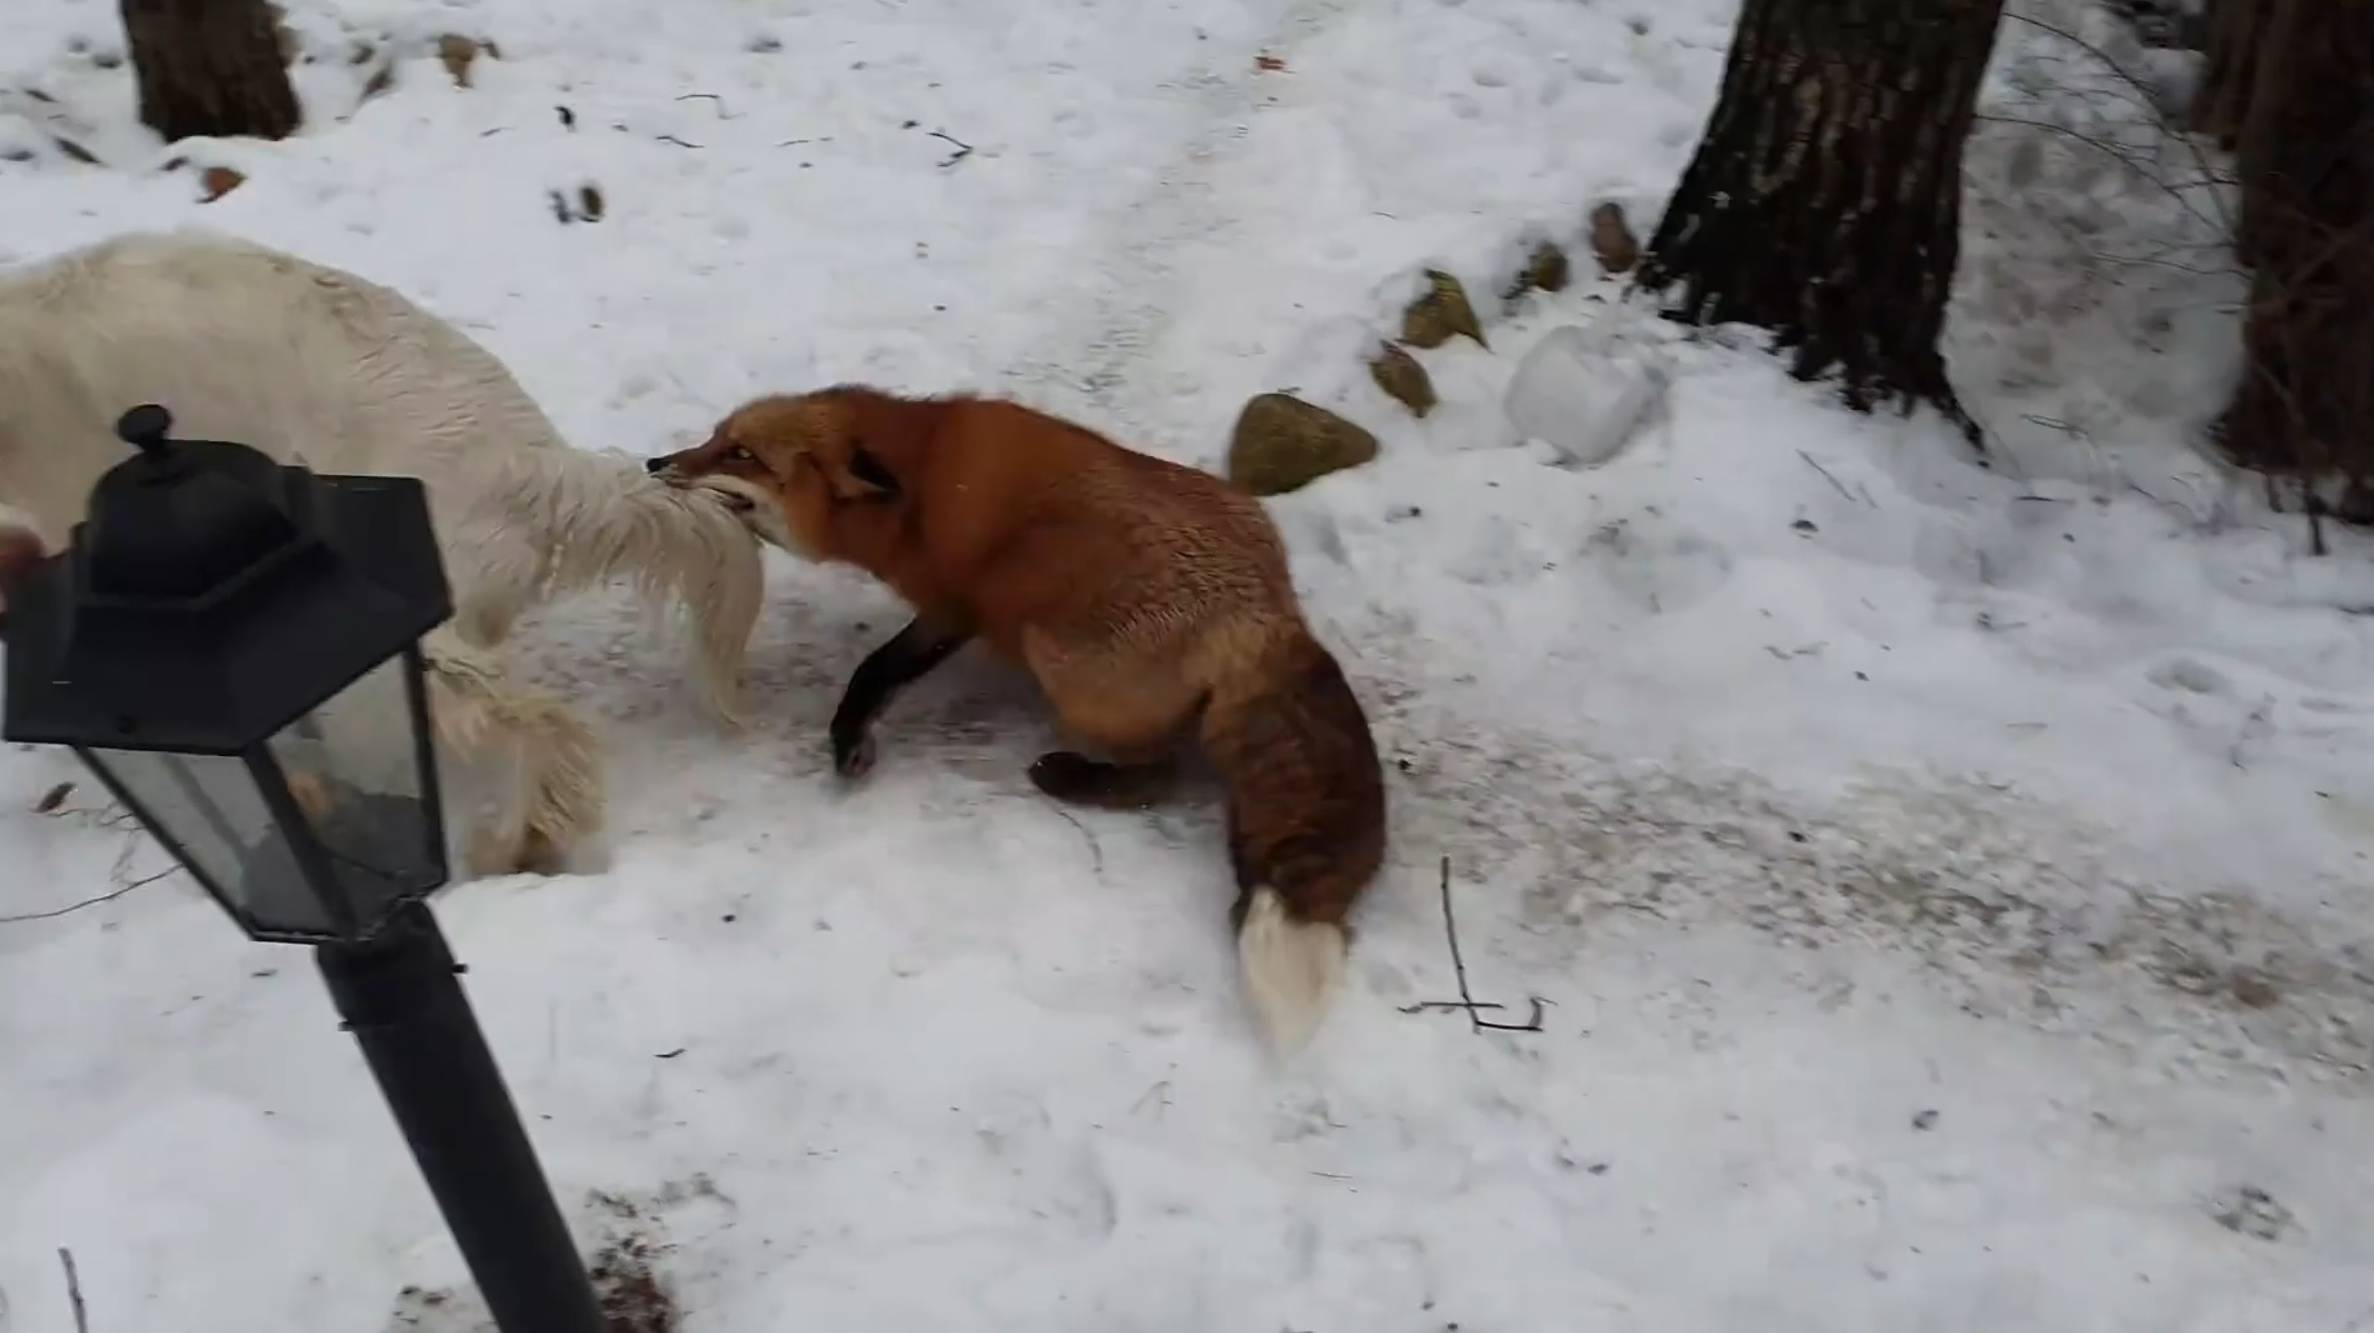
{"x":853,"y":755}
{"x":1079,"y":780}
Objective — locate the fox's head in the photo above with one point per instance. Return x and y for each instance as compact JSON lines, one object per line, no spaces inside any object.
{"x":791,"y":466}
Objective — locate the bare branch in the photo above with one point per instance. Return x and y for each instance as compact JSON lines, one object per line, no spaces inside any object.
{"x":71,"y":908}
{"x":2120,"y":154}
{"x":1467,"y":1001}
{"x":82,"y":1318}
{"x":2146,"y":97}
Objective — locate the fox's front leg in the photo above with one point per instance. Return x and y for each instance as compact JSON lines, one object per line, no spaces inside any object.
{"x":910,"y":654}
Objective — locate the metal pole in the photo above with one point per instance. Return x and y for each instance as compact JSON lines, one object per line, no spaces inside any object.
{"x":401,"y":998}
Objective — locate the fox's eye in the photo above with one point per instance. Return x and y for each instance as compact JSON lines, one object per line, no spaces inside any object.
{"x":738,"y":454}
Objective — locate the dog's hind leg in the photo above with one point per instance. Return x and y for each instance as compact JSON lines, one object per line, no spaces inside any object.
{"x":552,"y":798}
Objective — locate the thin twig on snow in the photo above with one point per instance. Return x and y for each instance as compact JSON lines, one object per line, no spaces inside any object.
{"x":82,"y":1318}
{"x":963,"y":149}
{"x":1828,"y":477}
{"x":1467,"y":1001}
{"x":719,"y":102}
{"x":72,"y":908}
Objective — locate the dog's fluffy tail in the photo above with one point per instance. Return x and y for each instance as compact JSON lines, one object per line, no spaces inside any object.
{"x":1290,"y":967}
{"x":598,"y":517}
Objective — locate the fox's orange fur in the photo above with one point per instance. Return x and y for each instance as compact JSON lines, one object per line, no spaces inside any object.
{"x":1149,"y":600}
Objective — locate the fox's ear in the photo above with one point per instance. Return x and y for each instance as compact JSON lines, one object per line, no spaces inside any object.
{"x":864,"y":477}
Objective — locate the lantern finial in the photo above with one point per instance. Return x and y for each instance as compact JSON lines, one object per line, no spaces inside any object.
{"x":144,"y":428}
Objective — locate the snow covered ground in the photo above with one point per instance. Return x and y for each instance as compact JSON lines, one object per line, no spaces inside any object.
{"x":1948,"y":884}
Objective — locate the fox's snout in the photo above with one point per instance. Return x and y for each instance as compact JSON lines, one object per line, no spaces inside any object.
{"x":668,"y":469}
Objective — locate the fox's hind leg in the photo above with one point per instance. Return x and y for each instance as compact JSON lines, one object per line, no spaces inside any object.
{"x":1130,"y":707}
{"x":1074,"y":778}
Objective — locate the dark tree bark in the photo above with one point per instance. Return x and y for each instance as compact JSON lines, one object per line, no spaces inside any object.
{"x":2305,"y":405}
{"x":211,"y":67}
{"x":2223,"y":100}
{"x":1825,"y":200}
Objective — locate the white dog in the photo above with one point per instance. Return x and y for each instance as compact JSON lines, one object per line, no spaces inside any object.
{"x":316,"y":366}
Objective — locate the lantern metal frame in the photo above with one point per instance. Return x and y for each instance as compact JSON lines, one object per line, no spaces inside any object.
{"x":213,"y":600}
{"x":314,"y":859}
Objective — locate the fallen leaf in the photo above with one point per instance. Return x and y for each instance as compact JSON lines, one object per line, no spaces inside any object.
{"x":219,"y":181}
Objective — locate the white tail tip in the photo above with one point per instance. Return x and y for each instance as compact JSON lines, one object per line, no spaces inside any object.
{"x":1290,"y":967}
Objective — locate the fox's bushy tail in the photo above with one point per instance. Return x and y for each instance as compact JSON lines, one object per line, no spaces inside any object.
{"x":1306,"y":828}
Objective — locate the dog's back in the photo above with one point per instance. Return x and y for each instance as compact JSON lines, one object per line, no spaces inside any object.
{"x":304,"y":362}
{"x":314,"y":365}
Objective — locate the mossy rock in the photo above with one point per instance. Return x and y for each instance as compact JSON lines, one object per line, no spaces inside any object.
{"x":1403,"y":379}
{"x":1434,"y":318}
{"x":1547,"y":271}
{"x":1612,"y":241}
{"x":1283,"y":444}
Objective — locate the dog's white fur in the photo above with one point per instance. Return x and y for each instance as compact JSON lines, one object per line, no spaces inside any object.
{"x":316,"y":366}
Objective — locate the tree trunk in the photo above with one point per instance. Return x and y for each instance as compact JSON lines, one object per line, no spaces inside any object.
{"x":210,"y":67}
{"x":2306,"y":402}
{"x":2223,"y":100}
{"x":1825,"y":200}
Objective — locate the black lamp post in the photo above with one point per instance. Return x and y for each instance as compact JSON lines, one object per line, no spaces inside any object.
{"x":233,"y":647}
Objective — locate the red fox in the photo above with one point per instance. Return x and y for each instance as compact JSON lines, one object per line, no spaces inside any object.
{"x":1145,"y":597}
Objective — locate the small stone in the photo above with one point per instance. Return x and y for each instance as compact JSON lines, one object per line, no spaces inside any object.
{"x":381,"y":81}
{"x":219,"y":181}
{"x":1546,"y":271}
{"x":589,"y":203}
{"x":1612,"y":241}
{"x":2252,"y":990}
{"x":456,"y":53}
{"x":1282,"y":443}
{"x":1403,"y":379}
{"x":1442,"y":312}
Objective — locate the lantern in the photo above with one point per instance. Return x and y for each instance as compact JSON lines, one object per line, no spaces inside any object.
{"x":233,"y":646}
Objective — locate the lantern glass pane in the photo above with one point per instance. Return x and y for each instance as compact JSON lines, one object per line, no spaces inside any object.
{"x":353,"y":767}
{"x":209,"y":809}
